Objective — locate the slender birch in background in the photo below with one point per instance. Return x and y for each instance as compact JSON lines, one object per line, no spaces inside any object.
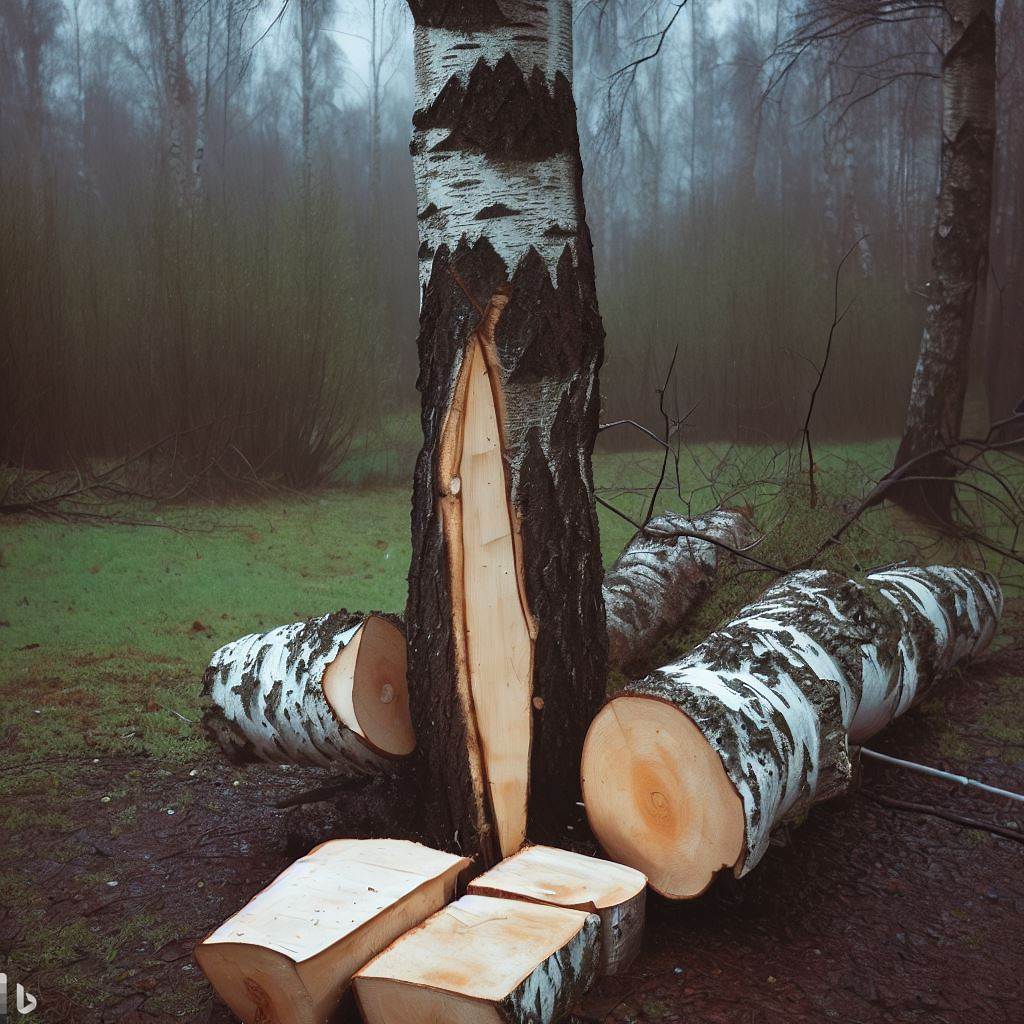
{"x":507,"y":648}
{"x":960,"y":246}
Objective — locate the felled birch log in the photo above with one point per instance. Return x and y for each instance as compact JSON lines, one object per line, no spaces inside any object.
{"x":657,"y":580}
{"x":484,"y":961}
{"x":689,"y":770}
{"x":329,"y":692}
{"x":288,"y":956}
{"x":560,"y":878}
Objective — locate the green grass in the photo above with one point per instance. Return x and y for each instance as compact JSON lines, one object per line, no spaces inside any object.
{"x":105,"y":630}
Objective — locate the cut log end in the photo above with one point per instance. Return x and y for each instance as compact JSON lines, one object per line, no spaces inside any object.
{"x":366,"y":687}
{"x":658,"y":797}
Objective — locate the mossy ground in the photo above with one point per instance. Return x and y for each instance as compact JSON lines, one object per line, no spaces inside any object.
{"x":105,"y":630}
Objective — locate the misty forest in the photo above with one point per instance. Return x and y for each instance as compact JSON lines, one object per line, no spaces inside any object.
{"x":650,"y":376}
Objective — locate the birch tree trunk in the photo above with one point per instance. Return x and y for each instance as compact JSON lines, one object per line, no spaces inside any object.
{"x":692,"y":768}
{"x":960,"y":246}
{"x":499,"y":186}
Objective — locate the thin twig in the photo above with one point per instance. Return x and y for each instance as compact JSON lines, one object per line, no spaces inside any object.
{"x":940,"y":812}
{"x":694,"y":534}
{"x":668,"y":426}
{"x":837,"y":319}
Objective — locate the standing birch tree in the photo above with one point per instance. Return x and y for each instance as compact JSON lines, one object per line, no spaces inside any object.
{"x":506,"y":630}
{"x":960,"y":245}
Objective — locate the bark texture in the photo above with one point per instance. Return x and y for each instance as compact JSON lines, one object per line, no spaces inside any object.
{"x":817,"y":663}
{"x":265,"y":698}
{"x":656,"y":581}
{"x":560,"y":983}
{"x":960,"y":246}
{"x":499,"y":185}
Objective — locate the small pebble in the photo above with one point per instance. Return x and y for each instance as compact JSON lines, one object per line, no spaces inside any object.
{"x":104,"y":799}
{"x":111,"y":884}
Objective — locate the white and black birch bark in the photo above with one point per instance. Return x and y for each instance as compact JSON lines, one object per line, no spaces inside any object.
{"x":486,"y":960}
{"x":781,"y":692}
{"x":265,"y":697}
{"x":960,"y":245}
{"x":499,"y":185}
{"x":656,"y":581}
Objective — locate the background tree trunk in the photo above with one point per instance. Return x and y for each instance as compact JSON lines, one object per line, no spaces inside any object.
{"x":959,"y":252}
{"x":499,"y":186}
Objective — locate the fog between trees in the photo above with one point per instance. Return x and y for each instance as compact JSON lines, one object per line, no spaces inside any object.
{"x":209,"y":225}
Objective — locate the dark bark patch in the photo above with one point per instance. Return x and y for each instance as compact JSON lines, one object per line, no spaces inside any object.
{"x":428,"y":211}
{"x":467,"y":15}
{"x":494,"y":211}
{"x":503,"y":113}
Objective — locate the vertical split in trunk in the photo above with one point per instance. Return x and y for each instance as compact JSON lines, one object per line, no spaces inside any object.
{"x":506,"y":623}
{"x":959,"y":254}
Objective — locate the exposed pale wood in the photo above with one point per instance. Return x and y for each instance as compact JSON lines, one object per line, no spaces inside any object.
{"x":544,"y":874}
{"x":661,"y":796}
{"x":493,"y":628}
{"x":289,"y":954}
{"x":366,"y":687}
{"x":483,"y":961}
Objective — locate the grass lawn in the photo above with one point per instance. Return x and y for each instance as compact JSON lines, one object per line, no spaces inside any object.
{"x":105,"y":631}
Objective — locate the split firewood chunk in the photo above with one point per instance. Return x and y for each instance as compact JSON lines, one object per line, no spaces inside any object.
{"x":484,"y":961}
{"x":616,"y":893}
{"x":290,"y":953}
{"x":329,"y":692}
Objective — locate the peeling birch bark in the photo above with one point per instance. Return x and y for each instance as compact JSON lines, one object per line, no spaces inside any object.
{"x":288,"y":955}
{"x":559,"y":878}
{"x":501,"y":215}
{"x":690,"y":770}
{"x":960,"y":246}
{"x":329,"y":692}
{"x":484,"y":961}
{"x":656,"y":581}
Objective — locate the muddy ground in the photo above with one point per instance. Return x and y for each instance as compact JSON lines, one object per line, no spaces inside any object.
{"x":865,"y":914}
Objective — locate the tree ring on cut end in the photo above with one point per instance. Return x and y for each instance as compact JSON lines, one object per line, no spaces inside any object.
{"x":658,"y":797}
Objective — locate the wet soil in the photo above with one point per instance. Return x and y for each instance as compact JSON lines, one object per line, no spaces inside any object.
{"x":864,"y":914}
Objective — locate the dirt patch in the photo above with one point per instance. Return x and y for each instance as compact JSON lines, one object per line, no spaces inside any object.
{"x":865,"y":914}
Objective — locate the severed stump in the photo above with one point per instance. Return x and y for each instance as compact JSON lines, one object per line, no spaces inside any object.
{"x":484,"y":961}
{"x":328,"y":692}
{"x":616,"y":893}
{"x":288,"y":956}
{"x":689,"y":770}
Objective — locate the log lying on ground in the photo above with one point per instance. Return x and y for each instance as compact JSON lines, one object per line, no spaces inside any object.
{"x":484,"y":961}
{"x":289,"y":955}
{"x":329,"y":692}
{"x":689,"y":770}
{"x":616,"y":893}
{"x":657,"y":580}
